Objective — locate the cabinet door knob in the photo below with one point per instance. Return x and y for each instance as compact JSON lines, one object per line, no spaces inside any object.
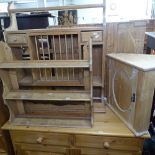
{"x":40,"y":140}
{"x":106,"y":145}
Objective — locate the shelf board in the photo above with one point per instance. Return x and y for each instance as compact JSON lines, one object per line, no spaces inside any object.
{"x":93,"y":43}
{"x":48,"y":95}
{"x":70,"y":7}
{"x":28,"y":81}
{"x":53,"y":122}
{"x":45,"y":64}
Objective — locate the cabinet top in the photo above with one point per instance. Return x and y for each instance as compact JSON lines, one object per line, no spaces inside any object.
{"x":143,"y":62}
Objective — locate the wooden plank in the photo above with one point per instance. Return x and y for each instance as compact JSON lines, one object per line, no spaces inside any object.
{"x":28,"y":81}
{"x":13,"y":77}
{"x":86,"y":72}
{"x":48,"y":95}
{"x":52,"y":30}
{"x":71,"y":7}
{"x":145,"y":92}
{"x":45,"y":64}
{"x":52,"y":122}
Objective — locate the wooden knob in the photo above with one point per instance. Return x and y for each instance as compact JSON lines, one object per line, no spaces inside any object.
{"x":15,"y":39}
{"x":95,"y":35}
{"x":40,"y":140}
{"x":106,"y":145}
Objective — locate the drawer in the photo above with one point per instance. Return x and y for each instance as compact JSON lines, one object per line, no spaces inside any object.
{"x":116,"y":143}
{"x":40,"y":138}
{"x":32,"y":149}
{"x":16,"y":39}
{"x":97,"y":36}
{"x":93,"y":151}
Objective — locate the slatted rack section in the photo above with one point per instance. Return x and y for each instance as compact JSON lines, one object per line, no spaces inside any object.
{"x":51,"y":60}
{"x":60,"y":46}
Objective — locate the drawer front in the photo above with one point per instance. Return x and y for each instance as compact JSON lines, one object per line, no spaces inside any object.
{"x":40,"y":138}
{"x":97,"y":36}
{"x":116,"y":143}
{"x":37,"y":149}
{"x":94,"y":151}
{"x":16,"y":39}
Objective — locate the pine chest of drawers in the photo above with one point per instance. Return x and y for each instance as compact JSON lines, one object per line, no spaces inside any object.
{"x":109,"y":136}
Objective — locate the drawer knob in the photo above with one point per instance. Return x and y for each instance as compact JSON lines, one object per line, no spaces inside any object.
{"x":95,"y":35}
{"x":15,"y":39}
{"x":40,"y":140}
{"x":106,"y":145}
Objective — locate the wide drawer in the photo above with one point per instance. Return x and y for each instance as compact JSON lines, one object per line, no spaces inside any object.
{"x":97,"y":36}
{"x":94,"y":151}
{"x":40,"y":138}
{"x":16,"y":39}
{"x":116,"y":143}
{"x":32,"y":149}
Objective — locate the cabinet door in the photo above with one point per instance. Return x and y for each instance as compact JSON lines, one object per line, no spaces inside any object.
{"x":122,"y":89}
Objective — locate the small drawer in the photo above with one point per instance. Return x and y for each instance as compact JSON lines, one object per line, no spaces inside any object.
{"x":97,"y":36}
{"x":16,"y":39}
{"x":40,"y":138}
{"x":116,"y":143}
